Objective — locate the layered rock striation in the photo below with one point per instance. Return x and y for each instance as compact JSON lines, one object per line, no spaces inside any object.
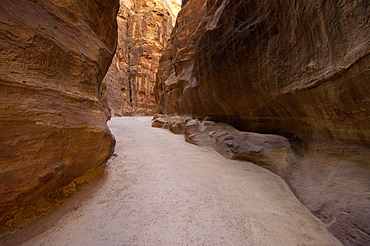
{"x":144,"y":28}
{"x":299,"y":69}
{"x":54,"y":55}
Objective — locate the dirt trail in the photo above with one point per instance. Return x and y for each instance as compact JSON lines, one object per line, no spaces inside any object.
{"x":161,"y":190}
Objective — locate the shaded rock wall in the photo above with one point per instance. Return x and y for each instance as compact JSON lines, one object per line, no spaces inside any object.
{"x":299,"y":69}
{"x":54,"y":55}
{"x":144,"y":28}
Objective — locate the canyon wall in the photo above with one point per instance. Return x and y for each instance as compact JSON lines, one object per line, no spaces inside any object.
{"x":54,"y":137}
{"x":299,"y":69}
{"x":144,"y":27}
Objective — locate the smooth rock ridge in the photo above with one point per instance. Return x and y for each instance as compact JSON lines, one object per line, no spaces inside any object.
{"x":54,"y":137}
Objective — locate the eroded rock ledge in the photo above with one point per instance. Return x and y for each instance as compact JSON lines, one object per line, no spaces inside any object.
{"x":54,"y":137}
{"x":271,"y":151}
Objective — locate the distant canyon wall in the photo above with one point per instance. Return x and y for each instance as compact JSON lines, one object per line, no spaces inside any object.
{"x":299,"y":69}
{"x":54,"y":55}
{"x":144,"y":27}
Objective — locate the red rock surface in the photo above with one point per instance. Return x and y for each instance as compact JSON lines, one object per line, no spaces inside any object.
{"x":297,"y":69}
{"x":144,"y":28}
{"x":54,"y":55}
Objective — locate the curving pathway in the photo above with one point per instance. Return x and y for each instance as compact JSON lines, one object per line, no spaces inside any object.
{"x":161,"y":190}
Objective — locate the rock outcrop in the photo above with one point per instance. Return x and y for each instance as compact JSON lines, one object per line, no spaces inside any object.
{"x":54,"y":137}
{"x":144,"y":27}
{"x":299,"y":69}
{"x":273,"y":152}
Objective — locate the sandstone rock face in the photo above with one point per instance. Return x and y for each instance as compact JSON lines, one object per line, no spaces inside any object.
{"x":144,"y":27}
{"x":54,"y":55}
{"x":297,"y":69}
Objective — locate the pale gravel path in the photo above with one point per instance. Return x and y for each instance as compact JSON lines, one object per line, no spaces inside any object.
{"x":161,"y":190}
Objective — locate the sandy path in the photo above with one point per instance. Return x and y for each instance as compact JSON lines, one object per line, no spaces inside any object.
{"x":161,"y":190}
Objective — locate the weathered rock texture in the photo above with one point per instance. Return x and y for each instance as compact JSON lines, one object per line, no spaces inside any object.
{"x":54,"y":55}
{"x":144,"y":27}
{"x":273,"y":152}
{"x":175,"y":124}
{"x":300,"y":69}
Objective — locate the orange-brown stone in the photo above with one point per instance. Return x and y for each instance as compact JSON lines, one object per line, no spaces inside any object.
{"x":144,"y":28}
{"x":54,"y":55}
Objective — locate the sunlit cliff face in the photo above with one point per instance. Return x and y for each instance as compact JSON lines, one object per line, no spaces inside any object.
{"x":143,"y":29}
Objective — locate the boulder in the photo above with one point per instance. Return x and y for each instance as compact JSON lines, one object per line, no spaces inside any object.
{"x":159,"y":121}
{"x":175,"y":124}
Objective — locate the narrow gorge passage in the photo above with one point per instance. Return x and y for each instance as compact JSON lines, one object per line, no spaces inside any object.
{"x":161,"y":190}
